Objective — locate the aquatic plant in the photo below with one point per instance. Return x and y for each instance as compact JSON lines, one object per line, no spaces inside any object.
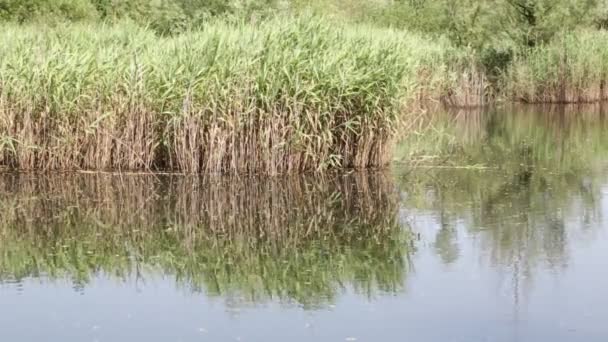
{"x":285,"y":95}
{"x":572,"y":68}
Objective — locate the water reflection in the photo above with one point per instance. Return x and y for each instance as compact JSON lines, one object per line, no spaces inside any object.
{"x":505,"y":241}
{"x":519,"y":184}
{"x":556,"y":138}
{"x":296,"y":239}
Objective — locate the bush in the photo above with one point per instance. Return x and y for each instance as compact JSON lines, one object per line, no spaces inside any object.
{"x":47,"y":10}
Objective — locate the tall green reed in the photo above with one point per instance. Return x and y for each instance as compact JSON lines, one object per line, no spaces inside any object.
{"x":572,"y":68}
{"x":285,"y":95}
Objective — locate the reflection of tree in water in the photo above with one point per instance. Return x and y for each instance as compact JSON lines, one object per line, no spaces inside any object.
{"x":520,"y":225}
{"x":295,"y":239}
{"x":446,"y":244}
{"x":545,"y":178}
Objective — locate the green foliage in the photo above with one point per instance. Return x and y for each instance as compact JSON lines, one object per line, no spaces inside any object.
{"x":47,"y":10}
{"x":164,"y":16}
{"x":473,"y":22}
{"x":532,"y":22}
{"x":600,"y":16}
{"x":465,"y":22}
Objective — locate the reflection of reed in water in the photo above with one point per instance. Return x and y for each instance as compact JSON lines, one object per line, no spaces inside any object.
{"x":296,"y":239}
{"x":555,"y":137}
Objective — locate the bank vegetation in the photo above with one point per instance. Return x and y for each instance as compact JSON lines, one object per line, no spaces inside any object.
{"x":267,"y":87}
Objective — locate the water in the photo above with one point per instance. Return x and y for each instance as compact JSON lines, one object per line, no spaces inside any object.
{"x":506,"y":242}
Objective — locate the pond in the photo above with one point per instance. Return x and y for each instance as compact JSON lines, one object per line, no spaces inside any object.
{"x":497,"y":234}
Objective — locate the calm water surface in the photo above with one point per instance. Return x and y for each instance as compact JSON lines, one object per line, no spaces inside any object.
{"x":507,"y":243}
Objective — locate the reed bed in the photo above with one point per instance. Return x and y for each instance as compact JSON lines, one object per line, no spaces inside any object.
{"x":296,"y":239}
{"x":465,"y":83}
{"x":285,"y":95}
{"x":572,"y":68}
